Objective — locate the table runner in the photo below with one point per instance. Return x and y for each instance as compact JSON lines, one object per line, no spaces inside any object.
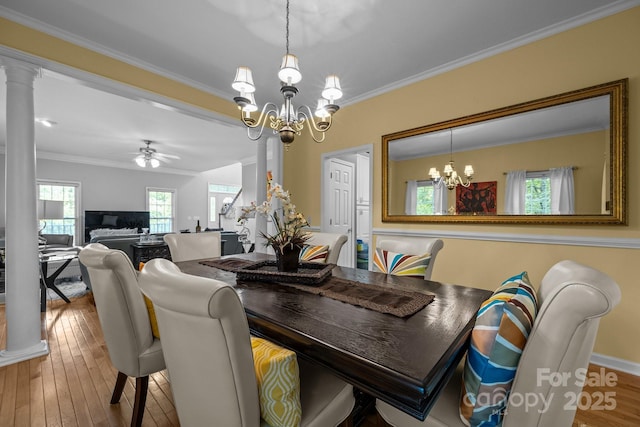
{"x":398,"y":302}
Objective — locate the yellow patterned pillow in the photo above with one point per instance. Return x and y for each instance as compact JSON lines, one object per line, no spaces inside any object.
{"x":278,"y":383}
{"x":152,"y":312}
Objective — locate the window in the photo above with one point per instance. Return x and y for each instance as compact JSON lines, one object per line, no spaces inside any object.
{"x":424,"y":199}
{"x":537,"y":193}
{"x":219,"y":194}
{"x":69,"y":194}
{"x":161,"y":204}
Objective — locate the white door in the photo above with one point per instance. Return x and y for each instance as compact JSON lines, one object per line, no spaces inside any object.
{"x":341,"y":216}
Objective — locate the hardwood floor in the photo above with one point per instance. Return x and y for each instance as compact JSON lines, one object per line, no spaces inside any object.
{"x":72,"y":385}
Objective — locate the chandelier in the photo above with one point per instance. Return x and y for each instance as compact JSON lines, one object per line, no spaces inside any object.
{"x":287,"y":121}
{"x":451,"y":179}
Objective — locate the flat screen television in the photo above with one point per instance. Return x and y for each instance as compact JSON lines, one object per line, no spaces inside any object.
{"x":114,"y":219}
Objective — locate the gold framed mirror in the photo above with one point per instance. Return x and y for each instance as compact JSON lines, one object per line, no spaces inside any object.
{"x":555,"y":160}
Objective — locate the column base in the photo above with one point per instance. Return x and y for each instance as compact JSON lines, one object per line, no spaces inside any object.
{"x":10,"y":357}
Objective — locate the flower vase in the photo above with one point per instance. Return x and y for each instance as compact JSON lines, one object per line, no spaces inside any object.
{"x":288,"y":259}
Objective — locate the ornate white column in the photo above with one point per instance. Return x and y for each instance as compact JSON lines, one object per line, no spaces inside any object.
{"x":261,"y":190}
{"x":22,"y":294}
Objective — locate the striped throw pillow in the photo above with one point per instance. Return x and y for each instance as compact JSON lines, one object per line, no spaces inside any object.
{"x":310,"y":253}
{"x":400,"y":264}
{"x":278,"y":379}
{"x":497,"y":340}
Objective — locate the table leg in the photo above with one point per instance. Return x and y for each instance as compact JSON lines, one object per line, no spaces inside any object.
{"x":49,"y":282}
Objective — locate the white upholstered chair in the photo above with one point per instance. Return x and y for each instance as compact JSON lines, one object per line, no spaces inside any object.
{"x":414,"y":246}
{"x":572,"y":299}
{"x":124,"y":319}
{"x":211,"y":366}
{"x":189,"y":246}
{"x":335,"y":242}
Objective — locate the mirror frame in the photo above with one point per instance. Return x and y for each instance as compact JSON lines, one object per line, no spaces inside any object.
{"x":617,"y":90}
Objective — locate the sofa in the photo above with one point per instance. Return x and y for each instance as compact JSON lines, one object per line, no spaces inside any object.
{"x":53,"y":241}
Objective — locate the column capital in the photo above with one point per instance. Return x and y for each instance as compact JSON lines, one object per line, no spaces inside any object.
{"x":19,"y":70}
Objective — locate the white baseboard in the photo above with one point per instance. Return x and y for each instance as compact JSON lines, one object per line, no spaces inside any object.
{"x":615,"y":363}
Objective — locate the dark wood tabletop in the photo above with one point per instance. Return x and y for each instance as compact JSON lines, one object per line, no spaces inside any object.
{"x":403,"y":361}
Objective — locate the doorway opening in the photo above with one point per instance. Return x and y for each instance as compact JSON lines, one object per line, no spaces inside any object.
{"x":346,"y":201}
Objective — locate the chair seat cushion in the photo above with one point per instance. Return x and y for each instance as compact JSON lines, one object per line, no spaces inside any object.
{"x":497,"y":340}
{"x":278,"y":377}
{"x":400,"y":264}
{"x":311,"y":253}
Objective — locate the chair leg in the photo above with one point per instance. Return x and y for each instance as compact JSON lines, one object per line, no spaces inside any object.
{"x":117,"y":390}
{"x":142,"y":385}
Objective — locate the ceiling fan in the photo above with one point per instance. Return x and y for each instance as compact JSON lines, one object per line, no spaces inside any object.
{"x":150,"y":157}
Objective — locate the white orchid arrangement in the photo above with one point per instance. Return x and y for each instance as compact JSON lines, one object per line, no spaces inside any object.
{"x":288,"y":223}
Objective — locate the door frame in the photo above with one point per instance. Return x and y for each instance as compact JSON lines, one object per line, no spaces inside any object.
{"x":324,"y":189}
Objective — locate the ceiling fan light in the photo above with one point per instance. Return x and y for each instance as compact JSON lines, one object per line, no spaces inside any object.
{"x":141,"y":162}
{"x":289,"y":72}
{"x":332,"y":89}
{"x":243,"y":82}
{"x":154,"y":162}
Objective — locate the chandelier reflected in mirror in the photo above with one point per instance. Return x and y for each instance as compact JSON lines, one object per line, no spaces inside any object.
{"x":451,"y":179}
{"x":287,"y":121}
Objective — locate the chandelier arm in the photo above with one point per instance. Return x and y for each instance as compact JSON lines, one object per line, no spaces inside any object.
{"x":305,"y":112}
{"x":268,"y":110}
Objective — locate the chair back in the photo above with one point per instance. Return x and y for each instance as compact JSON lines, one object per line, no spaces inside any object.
{"x":189,"y":246}
{"x":206,"y":344}
{"x":572,"y":298}
{"x":414,"y":246}
{"x":121,"y":309}
{"x":335,"y":242}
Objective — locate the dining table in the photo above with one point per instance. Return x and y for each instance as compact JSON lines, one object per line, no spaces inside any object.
{"x":404,"y":360}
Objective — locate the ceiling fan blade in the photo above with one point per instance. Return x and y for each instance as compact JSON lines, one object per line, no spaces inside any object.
{"x":168,"y":156}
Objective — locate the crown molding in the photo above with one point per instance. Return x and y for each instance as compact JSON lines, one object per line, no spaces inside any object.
{"x":585,"y":18}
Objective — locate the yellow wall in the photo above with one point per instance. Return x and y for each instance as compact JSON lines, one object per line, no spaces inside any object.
{"x":595,"y":53}
{"x":583,"y":151}
{"x":598,"y":52}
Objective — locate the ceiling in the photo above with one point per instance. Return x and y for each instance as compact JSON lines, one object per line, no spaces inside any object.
{"x":373,"y":45}
{"x":577,"y":117}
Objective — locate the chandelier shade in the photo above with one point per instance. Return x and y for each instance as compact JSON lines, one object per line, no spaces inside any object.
{"x":243,"y":82}
{"x":332,"y":90}
{"x":286,"y":120}
{"x":289,"y":71}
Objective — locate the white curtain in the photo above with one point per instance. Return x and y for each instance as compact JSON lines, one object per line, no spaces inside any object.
{"x":440,"y":202}
{"x":605,"y":189}
{"x":514,"y":195}
{"x":410,"y":200}
{"x":562,"y":191}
